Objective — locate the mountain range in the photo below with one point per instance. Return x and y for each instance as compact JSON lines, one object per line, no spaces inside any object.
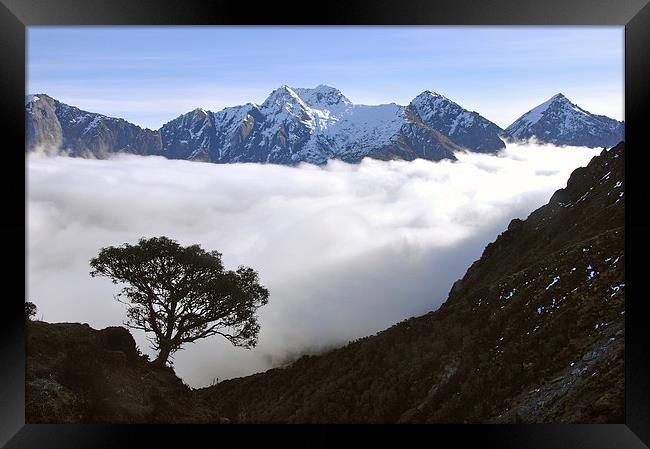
{"x":313,"y":125}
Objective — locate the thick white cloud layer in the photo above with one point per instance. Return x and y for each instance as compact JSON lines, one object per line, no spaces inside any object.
{"x":345,"y":250}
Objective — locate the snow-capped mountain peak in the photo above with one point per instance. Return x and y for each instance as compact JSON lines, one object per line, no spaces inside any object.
{"x":430,"y":103}
{"x":322,"y":96}
{"x":282,"y":96}
{"x":313,"y":125}
{"x":560,"y":121}
{"x":30,"y":98}
{"x":557,"y":101}
{"x":464,"y":127}
{"x":535,"y":114}
{"x":434,"y":94}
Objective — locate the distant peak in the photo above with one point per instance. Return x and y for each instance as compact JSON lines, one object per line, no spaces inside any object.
{"x":428,"y":94}
{"x":429,"y":98}
{"x":283,"y":95}
{"x":324,"y":88}
{"x":560,"y":97}
{"x":321,"y":95}
{"x":35,"y":97}
{"x":281,"y":91}
{"x":555,"y":99}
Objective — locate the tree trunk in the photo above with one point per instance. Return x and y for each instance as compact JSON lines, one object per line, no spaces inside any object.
{"x":161,"y":360}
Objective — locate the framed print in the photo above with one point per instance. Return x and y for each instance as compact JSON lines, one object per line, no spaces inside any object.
{"x":413,"y":220}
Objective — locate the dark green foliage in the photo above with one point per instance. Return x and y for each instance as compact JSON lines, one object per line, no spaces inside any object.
{"x":182,"y":294}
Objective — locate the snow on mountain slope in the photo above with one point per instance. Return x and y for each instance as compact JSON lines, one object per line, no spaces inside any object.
{"x":292,"y":125}
{"x":189,"y":136}
{"x":326,"y":105}
{"x":30,"y":98}
{"x":561,"y":122}
{"x":313,"y":125}
{"x":466,"y":128}
{"x":365,"y":127}
{"x":322,"y":96}
{"x":299,"y":125}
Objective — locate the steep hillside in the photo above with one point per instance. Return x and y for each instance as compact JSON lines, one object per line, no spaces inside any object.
{"x":76,"y":374}
{"x":534,"y":332}
{"x":52,"y":124}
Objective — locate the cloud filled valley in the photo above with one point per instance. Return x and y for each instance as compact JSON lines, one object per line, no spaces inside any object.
{"x":345,"y":249}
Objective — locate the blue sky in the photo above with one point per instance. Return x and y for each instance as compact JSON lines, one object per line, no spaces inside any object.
{"x":149,"y":75}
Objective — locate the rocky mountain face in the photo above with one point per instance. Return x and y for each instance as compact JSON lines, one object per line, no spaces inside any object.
{"x":55,"y":125}
{"x":292,"y":125}
{"x":468,"y":129}
{"x":561,"y":122}
{"x":533,"y":332}
{"x":76,"y":374}
{"x":313,"y":125}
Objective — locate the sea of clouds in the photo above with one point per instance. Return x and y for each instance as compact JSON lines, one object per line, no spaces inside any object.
{"x":345,"y":250}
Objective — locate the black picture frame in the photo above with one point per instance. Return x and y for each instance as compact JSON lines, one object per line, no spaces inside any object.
{"x":16,"y":15}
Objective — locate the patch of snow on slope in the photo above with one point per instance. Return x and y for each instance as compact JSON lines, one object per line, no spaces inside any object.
{"x":30,"y":98}
{"x":93,"y":124}
{"x":464,"y":118}
{"x":368,"y":124}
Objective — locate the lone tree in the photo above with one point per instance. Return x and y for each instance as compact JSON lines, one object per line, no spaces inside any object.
{"x":182,"y":294}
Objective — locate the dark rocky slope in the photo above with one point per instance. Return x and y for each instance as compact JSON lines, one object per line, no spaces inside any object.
{"x":561,"y":122}
{"x":534,"y":332}
{"x":76,"y":374}
{"x":466,"y":128}
{"x":51,"y":124}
